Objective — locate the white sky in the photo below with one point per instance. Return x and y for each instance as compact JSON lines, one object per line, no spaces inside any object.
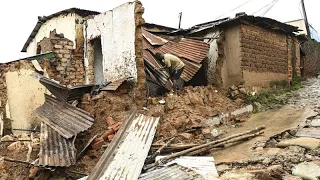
{"x":19,"y":16}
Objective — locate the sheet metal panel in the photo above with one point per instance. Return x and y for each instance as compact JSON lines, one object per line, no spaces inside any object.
{"x":55,"y":150}
{"x":308,"y":132}
{"x":315,"y":123}
{"x":174,"y":172}
{"x":202,"y":165}
{"x":193,"y":50}
{"x":153,"y":39}
{"x":63,"y":93}
{"x":124,"y":158}
{"x":64,"y":118}
{"x":114,"y":85}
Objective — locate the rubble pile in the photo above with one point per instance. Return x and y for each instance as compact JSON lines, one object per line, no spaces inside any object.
{"x":190,"y":109}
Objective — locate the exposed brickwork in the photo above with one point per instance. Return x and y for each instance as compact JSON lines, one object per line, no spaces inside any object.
{"x":311,"y":62}
{"x":263,"y":50}
{"x":139,"y":21}
{"x":68,"y":66}
{"x":90,"y":68}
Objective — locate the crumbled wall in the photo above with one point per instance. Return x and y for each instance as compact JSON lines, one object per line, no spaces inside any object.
{"x":264,"y":55}
{"x":68,"y":66}
{"x":20,"y":94}
{"x":311,"y":63}
{"x":64,"y":24}
{"x":117,"y":30}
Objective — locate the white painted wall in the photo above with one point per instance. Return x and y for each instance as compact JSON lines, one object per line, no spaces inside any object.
{"x":117,"y":31}
{"x":212,"y":55}
{"x":25,"y":94}
{"x":64,"y":24}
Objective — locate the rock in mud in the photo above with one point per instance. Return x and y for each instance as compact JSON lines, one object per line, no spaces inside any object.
{"x":307,"y":170}
{"x":308,"y":143}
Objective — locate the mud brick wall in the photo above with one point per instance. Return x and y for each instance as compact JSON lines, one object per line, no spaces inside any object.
{"x":263,"y":50}
{"x":311,"y":63}
{"x":68,"y":66}
{"x":139,"y":21}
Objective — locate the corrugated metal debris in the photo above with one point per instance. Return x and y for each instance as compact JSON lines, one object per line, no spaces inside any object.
{"x":124,"y":158}
{"x":153,"y":39}
{"x":114,"y":85}
{"x":308,"y":132}
{"x":63,"y":93}
{"x":202,"y":165}
{"x":66,"y":119}
{"x":315,"y":123}
{"x":55,"y":150}
{"x":174,"y":172}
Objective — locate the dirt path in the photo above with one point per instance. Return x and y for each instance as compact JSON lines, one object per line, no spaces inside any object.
{"x":301,"y":105}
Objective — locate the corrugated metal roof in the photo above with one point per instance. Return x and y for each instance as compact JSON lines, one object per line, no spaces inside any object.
{"x":55,"y":150}
{"x":63,"y":93}
{"x":66,"y":119}
{"x":202,"y":165}
{"x":42,"y":20}
{"x":148,"y":56}
{"x":146,"y":44}
{"x":153,"y":39}
{"x":190,"y":69}
{"x":114,"y":85}
{"x":193,"y":50}
{"x":174,"y":172}
{"x":124,"y":158}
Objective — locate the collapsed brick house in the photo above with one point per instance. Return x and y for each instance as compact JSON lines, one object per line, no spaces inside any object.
{"x":73,"y":47}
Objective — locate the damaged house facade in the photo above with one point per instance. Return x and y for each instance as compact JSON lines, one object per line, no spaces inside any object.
{"x":73,"y":47}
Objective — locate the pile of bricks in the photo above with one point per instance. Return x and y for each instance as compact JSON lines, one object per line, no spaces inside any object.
{"x":108,"y":136}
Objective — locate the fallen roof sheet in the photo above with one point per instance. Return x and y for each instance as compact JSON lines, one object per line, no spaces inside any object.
{"x":114,"y":85}
{"x":63,"y":93}
{"x":55,"y":150}
{"x":153,"y":39}
{"x":193,"y":50}
{"x":124,"y":158}
{"x":66,"y":119}
{"x":173,"y":172}
{"x":201,"y":165}
{"x":309,"y":132}
{"x":315,"y":123}
{"x":162,"y":77}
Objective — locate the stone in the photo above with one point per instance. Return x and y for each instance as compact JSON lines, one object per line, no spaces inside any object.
{"x":290,"y":177}
{"x":92,"y":153}
{"x":308,"y":143}
{"x":233,"y":88}
{"x":107,"y":134}
{"x":186,"y":136}
{"x":222,"y":168}
{"x":286,"y":135}
{"x":243,"y":91}
{"x":258,"y":106}
{"x":15,"y":146}
{"x":239,"y":101}
{"x":7,"y":138}
{"x":110,"y":137}
{"x":234,"y":93}
{"x":206,"y":132}
{"x":307,"y":170}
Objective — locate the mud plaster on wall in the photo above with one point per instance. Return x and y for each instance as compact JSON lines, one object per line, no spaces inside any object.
{"x":25,"y":94}
{"x":262,"y":78}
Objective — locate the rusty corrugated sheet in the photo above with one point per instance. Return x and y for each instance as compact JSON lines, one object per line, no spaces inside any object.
{"x":146,"y":44}
{"x":173,"y":172}
{"x":148,"y":56}
{"x":193,"y":50}
{"x":55,"y":150}
{"x":63,"y":93}
{"x":190,"y":69}
{"x":114,"y":85}
{"x":64,"y":118}
{"x":124,"y":158}
{"x":153,"y":39}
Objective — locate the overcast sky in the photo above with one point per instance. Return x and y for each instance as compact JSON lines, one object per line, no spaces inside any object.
{"x":19,"y":16}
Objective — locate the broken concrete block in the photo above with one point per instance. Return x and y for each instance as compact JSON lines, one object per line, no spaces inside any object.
{"x":305,"y":142}
{"x":247,"y":109}
{"x":15,"y":146}
{"x":307,"y":170}
{"x":7,"y":138}
{"x":186,"y":136}
{"x":206,"y":133}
